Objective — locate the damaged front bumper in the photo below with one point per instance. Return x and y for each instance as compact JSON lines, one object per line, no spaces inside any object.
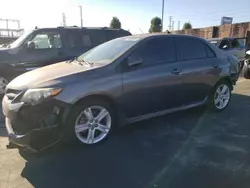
{"x":34,"y":128}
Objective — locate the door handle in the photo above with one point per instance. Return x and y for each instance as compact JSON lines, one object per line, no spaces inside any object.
{"x":176,"y":71}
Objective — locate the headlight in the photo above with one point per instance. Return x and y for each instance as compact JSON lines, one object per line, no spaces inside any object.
{"x":34,"y":96}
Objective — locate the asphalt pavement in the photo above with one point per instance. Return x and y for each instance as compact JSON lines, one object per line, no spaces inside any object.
{"x":193,"y":148}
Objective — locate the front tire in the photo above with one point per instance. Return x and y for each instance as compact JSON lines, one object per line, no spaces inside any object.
{"x":221,"y":96}
{"x":3,"y":84}
{"x":91,"y":122}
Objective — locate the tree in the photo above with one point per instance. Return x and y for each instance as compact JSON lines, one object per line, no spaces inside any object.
{"x":156,"y":25}
{"x":187,"y":25}
{"x":115,"y":23}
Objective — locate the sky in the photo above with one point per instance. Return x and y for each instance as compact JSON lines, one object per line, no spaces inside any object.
{"x":135,"y":15}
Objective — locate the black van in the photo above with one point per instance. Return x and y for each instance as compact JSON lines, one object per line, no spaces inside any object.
{"x":41,"y":47}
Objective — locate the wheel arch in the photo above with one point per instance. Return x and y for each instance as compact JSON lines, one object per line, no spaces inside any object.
{"x":227,"y":79}
{"x":105,"y":97}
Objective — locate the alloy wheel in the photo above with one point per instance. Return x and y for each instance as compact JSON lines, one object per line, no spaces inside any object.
{"x":93,"y":124}
{"x":222,"y":96}
{"x":3,"y":84}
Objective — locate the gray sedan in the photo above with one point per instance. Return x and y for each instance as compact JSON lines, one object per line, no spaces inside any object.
{"x":121,"y":81}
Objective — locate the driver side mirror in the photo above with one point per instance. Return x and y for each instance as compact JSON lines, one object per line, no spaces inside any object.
{"x":225,"y":47}
{"x":134,"y":61}
{"x":31,"y":45}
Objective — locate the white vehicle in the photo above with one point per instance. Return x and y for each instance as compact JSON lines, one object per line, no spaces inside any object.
{"x":246,"y":67}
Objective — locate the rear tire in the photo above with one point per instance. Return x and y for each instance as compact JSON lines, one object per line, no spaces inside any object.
{"x":221,"y":96}
{"x":246,"y":70}
{"x":91,"y":122}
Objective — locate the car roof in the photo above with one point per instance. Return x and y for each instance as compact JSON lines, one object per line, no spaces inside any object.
{"x":152,"y":35}
{"x":79,"y":28}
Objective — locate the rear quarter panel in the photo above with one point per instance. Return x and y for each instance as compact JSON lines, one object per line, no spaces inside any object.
{"x":225,"y":67}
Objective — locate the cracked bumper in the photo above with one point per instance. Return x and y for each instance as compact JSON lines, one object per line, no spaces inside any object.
{"x":34,"y":128}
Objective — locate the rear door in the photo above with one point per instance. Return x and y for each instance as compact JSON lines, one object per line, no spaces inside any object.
{"x":199,"y":67}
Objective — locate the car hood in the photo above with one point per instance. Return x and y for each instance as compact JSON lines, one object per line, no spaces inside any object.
{"x":50,"y":75}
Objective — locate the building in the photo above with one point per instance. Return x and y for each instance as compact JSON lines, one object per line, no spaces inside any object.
{"x":227,"y":30}
{"x":7,"y":34}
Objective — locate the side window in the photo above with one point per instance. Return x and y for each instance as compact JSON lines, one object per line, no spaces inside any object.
{"x":71,"y":40}
{"x":235,"y":43}
{"x":225,"y":44}
{"x":86,"y":41}
{"x":98,"y":37}
{"x":156,"y":51}
{"x":241,"y":43}
{"x":191,"y":48}
{"x":111,"y":34}
{"x":210,"y":52}
{"x":45,"y":40}
{"x":78,"y":39}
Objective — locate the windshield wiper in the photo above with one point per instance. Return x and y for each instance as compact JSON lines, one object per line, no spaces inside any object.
{"x":80,"y":62}
{"x":71,"y":60}
{"x":83,"y":61}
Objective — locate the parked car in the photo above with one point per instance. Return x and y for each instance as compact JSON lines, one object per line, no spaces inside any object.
{"x":41,"y":47}
{"x":121,"y":81}
{"x":231,"y":45}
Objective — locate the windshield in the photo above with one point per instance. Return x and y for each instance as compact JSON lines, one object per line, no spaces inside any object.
{"x":109,"y":50}
{"x":20,"y":40}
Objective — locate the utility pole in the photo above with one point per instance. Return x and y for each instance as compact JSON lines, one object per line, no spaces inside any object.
{"x":81,"y":15}
{"x":172,"y":25}
{"x":179,"y":25}
{"x":7,"y":26}
{"x":63,"y":19}
{"x":162,"y":14}
{"x":170,"y":22}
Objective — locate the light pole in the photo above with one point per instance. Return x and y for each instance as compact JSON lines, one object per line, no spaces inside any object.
{"x":81,"y":15}
{"x":162,"y":14}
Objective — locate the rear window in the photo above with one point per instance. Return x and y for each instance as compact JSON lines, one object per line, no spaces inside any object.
{"x":191,"y":48}
{"x":210,"y":52}
{"x":78,"y":39}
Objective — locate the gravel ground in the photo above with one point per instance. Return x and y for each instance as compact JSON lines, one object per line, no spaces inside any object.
{"x":194,"y":148}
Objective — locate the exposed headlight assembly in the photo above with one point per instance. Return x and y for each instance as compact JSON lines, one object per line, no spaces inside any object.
{"x":35,"y":96}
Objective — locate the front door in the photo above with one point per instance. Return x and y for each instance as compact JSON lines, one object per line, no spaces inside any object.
{"x":43,"y":49}
{"x":153,"y":85}
{"x":200,"y":69}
